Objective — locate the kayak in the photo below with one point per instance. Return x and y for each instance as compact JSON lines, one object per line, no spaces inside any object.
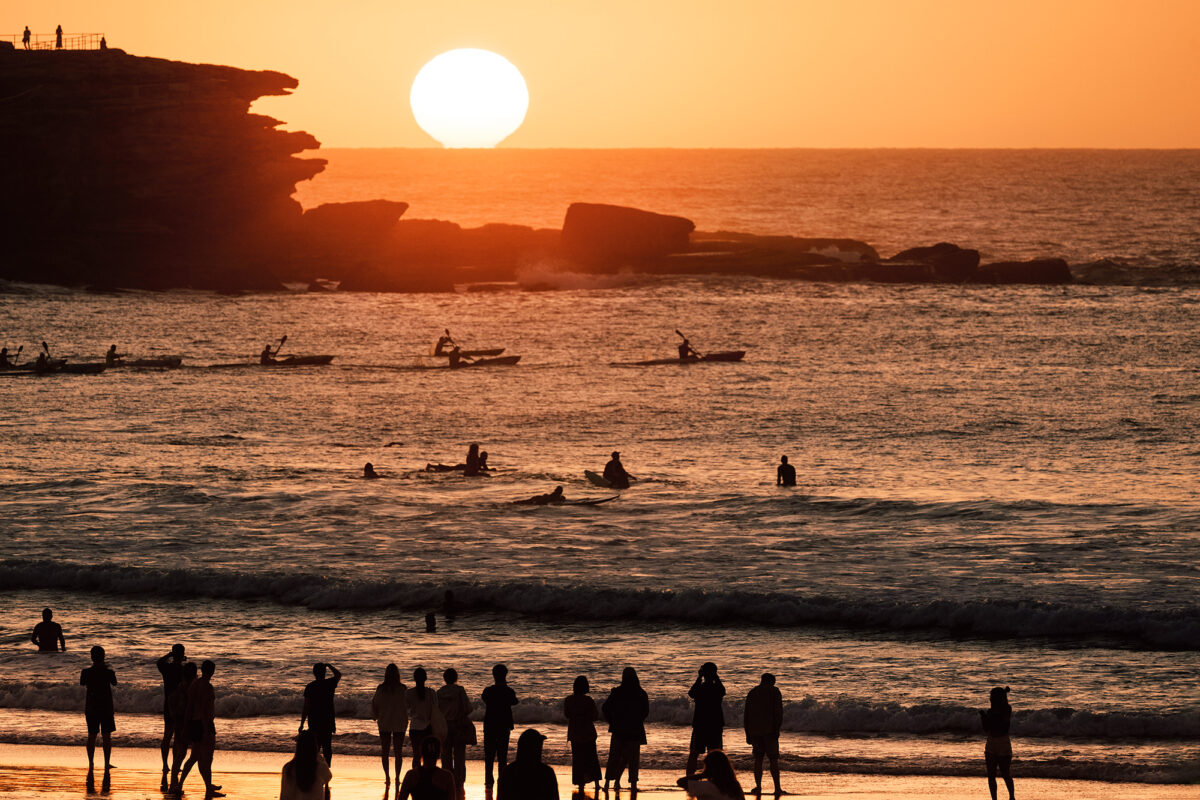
{"x":301,"y":361}
{"x":731,"y":355}
{"x":494,"y":351}
{"x":503,"y":361}
{"x":170,"y":362}
{"x":56,"y":367}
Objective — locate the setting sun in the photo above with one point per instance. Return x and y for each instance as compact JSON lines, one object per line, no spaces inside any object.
{"x":469,"y":98}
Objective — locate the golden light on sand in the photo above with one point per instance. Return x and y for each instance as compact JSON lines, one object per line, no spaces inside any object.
{"x":469,"y":98}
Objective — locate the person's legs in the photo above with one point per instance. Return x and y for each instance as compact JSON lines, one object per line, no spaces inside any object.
{"x":91,"y":749}
{"x":757,"y":750}
{"x":1006,"y":772}
{"x":385,"y":751}
{"x":106,"y":738}
{"x":991,"y":773}
{"x":398,"y":749}
{"x":165,"y":746}
{"x":635,"y":760}
{"x":616,"y":761}
{"x":460,"y":764}
{"x":502,"y":749}
{"x":325,"y":743}
{"x":489,"y":755}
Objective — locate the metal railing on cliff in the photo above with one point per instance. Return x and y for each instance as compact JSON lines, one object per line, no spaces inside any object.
{"x":49,"y":41}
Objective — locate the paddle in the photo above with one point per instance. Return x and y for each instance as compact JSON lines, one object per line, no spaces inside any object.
{"x":695,"y":352}
{"x":280,"y":347}
{"x":17,"y":357}
{"x":46,"y":347}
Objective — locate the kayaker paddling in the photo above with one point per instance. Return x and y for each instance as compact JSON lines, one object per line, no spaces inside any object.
{"x":112,"y":357}
{"x":268,"y":357}
{"x":686,"y":351}
{"x":457,"y":358}
{"x":444,"y":342}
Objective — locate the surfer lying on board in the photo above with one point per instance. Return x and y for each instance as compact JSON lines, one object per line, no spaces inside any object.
{"x":552,"y":499}
{"x":443,"y":342}
{"x":615,"y":474}
{"x":475,"y":464}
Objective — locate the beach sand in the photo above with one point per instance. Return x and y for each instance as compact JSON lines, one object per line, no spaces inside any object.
{"x":53,"y":772}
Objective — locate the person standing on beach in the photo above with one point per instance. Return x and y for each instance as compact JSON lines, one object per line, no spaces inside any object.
{"x":98,"y":708}
{"x":708,"y":719}
{"x":170,"y":666}
{"x":58,"y":38}
{"x":626,"y":710}
{"x":389,"y":709}
{"x":786,"y":474}
{"x":762,"y":718}
{"x":48,"y":634}
{"x":25,"y":37}
{"x":498,"y":702}
{"x":460,"y":731}
{"x":423,"y":712}
{"x":581,"y":713}
{"x":318,"y":707}
{"x":179,"y":736}
{"x":997,"y":753}
{"x":201,"y":715}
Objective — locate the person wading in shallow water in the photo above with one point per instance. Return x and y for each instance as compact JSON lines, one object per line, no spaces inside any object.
{"x":48,"y":635}
{"x":997,"y":753}
{"x":786,"y":474}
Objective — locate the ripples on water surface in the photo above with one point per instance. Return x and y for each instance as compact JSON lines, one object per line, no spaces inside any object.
{"x":996,"y":486}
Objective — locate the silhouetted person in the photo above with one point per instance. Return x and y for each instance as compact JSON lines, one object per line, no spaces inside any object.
{"x":998,"y":750}
{"x":42,"y":364}
{"x":614,"y":472}
{"x":528,"y":777}
{"x":626,"y":710}
{"x":431,"y":622}
{"x":762,"y":718}
{"x":422,"y":709}
{"x":460,"y":731}
{"x":58,"y":38}
{"x":201,"y":717}
{"x":471,"y":466}
{"x":581,"y":713}
{"x":708,"y":718}
{"x":786,"y":474}
{"x":266,"y":356}
{"x":369,"y":471}
{"x":170,"y":667}
{"x":98,"y":707}
{"x":25,"y":37}
{"x":483,"y":465}
{"x":686,"y":351}
{"x":4,"y":362}
{"x":179,"y":735}
{"x":426,"y":780}
{"x":456,"y":357}
{"x":498,"y":702}
{"x":103,"y":43}
{"x":554,"y":498}
{"x":449,"y":607}
{"x":306,"y":776}
{"x":48,"y":634}
{"x":318,"y":707}
{"x":718,"y":781}
{"x":112,"y":356}
{"x":389,"y":709}
{"x":444,"y":341}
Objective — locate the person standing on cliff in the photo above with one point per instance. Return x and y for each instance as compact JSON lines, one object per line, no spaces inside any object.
{"x":25,"y":37}
{"x":58,"y":38}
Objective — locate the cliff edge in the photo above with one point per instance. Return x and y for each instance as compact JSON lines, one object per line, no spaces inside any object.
{"x":139,"y":172}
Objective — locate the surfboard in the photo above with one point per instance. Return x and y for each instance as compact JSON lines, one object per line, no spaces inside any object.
{"x":597,"y":479}
{"x":591,"y":502}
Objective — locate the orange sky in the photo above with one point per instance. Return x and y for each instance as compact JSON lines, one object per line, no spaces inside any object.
{"x":706,"y":73}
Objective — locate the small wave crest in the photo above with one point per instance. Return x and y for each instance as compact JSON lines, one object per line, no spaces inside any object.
{"x":1166,"y":629}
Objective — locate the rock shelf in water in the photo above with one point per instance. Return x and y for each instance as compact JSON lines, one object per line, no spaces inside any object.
{"x":133,"y":172}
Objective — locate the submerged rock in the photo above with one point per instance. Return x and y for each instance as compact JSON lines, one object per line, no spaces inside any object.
{"x":1039,"y":270}
{"x":595,"y":233}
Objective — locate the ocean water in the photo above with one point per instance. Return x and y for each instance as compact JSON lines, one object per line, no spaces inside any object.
{"x":996,"y":487}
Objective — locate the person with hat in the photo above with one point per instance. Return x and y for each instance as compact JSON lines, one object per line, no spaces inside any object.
{"x":528,"y":777}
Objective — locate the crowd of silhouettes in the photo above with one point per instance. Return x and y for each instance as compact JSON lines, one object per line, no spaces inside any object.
{"x":438,"y":726}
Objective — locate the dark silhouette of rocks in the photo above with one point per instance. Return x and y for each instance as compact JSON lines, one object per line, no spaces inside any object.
{"x":595,"y":233}
{"x":941,"y":263}
{"x":132,"y":172}
{"x":1039,"y":270}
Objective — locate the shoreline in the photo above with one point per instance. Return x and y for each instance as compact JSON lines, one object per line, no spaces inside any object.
{"x":51,"y":772}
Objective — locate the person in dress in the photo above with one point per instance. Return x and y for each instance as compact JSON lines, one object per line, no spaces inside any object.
{"x":626,"y":710}
{"x":581,"y":713}
{"x":997,"y":753}
{"x":389,"y":709}
{"x":422,"y":708}
{"x":718,"y":781}
{"x":460,"y":731}
{"x":426,"y":780}
{"x":306,"y":776}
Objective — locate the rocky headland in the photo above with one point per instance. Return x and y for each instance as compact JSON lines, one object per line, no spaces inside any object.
{"x":132,"y":172}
